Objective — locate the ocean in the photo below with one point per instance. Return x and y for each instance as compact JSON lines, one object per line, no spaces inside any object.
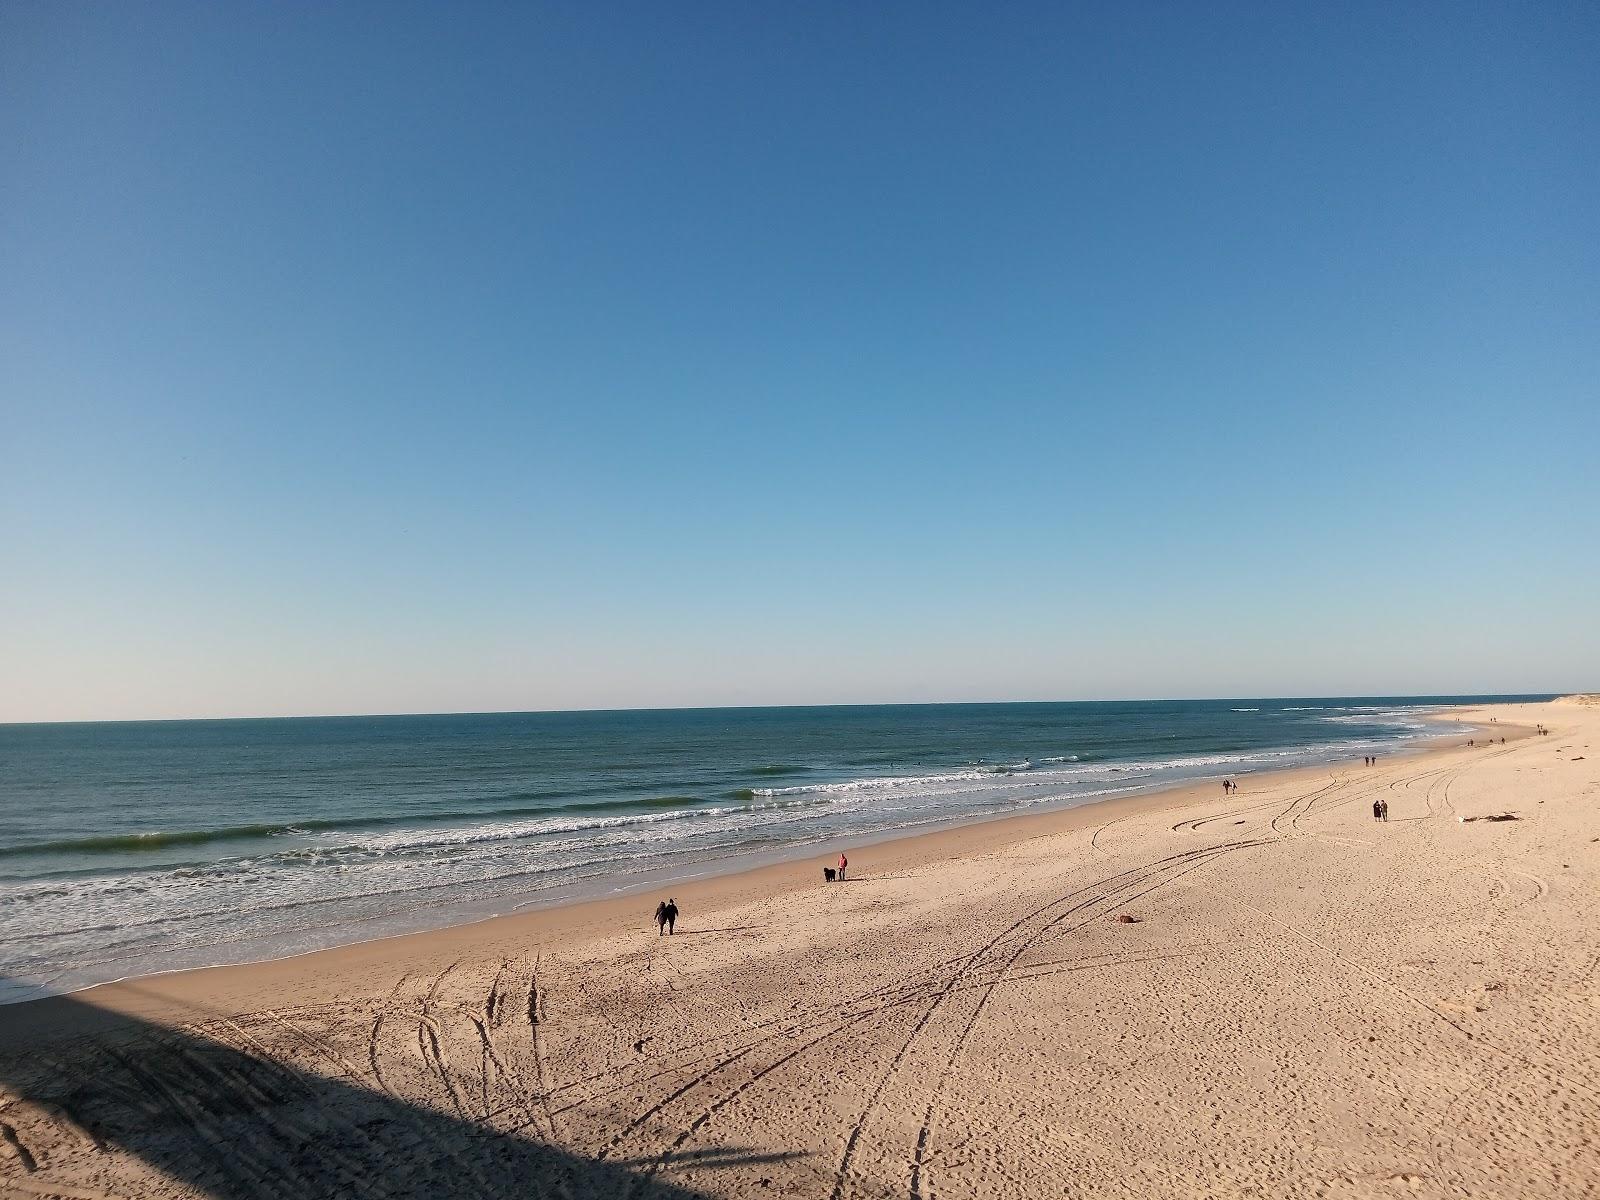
{"x":130,"y":848}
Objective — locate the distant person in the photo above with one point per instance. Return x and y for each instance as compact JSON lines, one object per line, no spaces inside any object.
{"x":843,"y":863}
{"x":1377,"y":810}
{"x":1383,"y":809}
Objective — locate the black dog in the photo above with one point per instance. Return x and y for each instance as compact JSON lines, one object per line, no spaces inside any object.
{"x":828,"y":874}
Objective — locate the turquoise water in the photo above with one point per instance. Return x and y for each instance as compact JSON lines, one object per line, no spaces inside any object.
{"x":129,"y":848}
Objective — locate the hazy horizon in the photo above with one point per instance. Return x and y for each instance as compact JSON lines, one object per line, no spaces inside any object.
{"x":1422,"y":697}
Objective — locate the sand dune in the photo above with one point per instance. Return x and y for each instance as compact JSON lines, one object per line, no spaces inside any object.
{"x":1306,"y":1002}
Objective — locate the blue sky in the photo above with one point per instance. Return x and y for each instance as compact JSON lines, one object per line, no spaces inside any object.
{"x":460,"y":357}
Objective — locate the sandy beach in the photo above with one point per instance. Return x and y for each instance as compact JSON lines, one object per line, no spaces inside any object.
{"x":1303,"y":1002}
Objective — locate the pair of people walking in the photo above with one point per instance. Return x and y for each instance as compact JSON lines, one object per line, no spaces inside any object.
{"x":666,"y":916}
{"x":1380,"y":810}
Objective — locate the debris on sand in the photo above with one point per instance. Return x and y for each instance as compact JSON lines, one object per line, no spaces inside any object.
{"x":1505,"y":816}
{"x":1125,"y":919}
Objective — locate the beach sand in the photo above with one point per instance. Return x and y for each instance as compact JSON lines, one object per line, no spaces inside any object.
{"x":1306,"y":1002}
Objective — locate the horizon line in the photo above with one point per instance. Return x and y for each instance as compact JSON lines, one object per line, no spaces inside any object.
{"x":527,"y":712}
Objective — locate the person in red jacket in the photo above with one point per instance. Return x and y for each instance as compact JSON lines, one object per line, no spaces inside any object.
{"x":843,"y":863}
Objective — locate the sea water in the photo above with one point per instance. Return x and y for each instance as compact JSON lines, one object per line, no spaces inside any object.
{"x":129,"y":848}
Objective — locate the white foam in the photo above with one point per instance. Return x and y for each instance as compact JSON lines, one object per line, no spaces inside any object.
{"x":314,"y":894}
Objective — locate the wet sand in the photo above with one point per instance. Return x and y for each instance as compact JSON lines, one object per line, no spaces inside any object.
{"x":1305,"y":1002}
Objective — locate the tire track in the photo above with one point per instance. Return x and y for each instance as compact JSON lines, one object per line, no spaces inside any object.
{"x":318,"y":1045}
{"x":59,"y":1191}
{"x":206,"y":1138}
{"x":853,"y":1139}
{"x":376,"y":1030}
{"x":918,"y":1162}
{"x":421,"y":1129}
{"x":787,"y":1024}
{"x":430,"y":1041}
{"x":643,"y":1179}
{"x":1193,"y":824}
{"x":1294,"y":805}
{"x":1478,"y":1040}
{"x":534,"y":1100}
{"x":912,"y":993}
{"x":269,"y":1114}
{"x":536,"y":1015}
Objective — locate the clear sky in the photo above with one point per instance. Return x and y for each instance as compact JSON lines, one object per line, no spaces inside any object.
{"x":378,"y":358}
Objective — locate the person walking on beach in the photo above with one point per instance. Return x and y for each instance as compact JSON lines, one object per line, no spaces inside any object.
{"x":1377,"y":810}
{"x":1383,"y":809}
{"x":666,"y":916}
{"x":843,"y":863}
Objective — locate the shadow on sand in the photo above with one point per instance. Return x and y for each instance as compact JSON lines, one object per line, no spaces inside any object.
{"x":220,"y":1121}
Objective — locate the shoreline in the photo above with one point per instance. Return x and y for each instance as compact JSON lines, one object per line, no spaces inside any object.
{"x":1175,"y":994}
{"x":175,"y":994}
